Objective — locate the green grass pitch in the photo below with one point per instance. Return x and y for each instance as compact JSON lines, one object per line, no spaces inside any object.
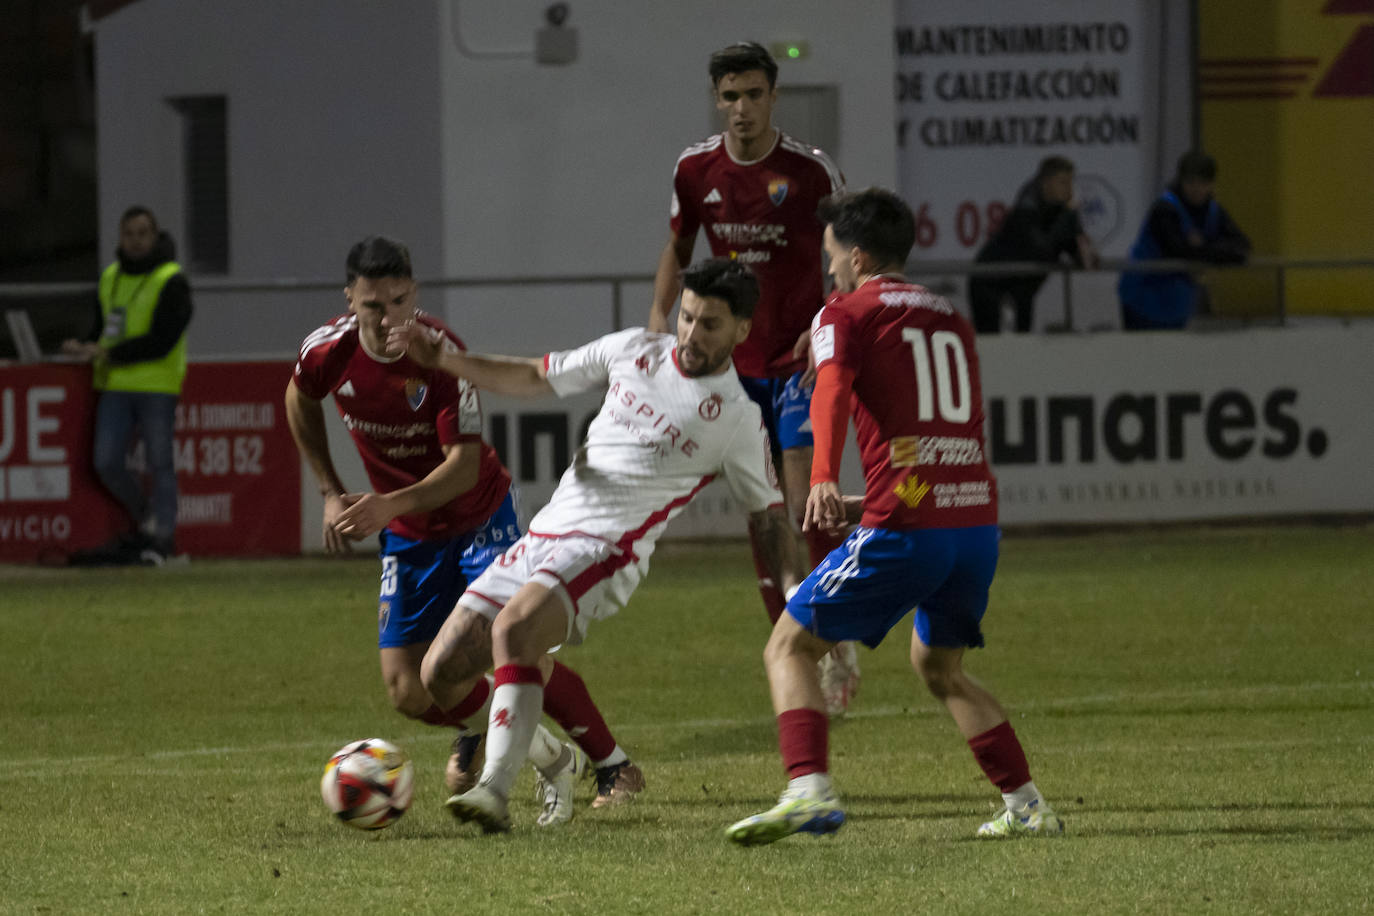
{"x":1197,"y":703}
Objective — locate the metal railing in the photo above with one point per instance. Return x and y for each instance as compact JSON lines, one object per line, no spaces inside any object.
{"x":32,"y":295}
{"x":1282,"y":268}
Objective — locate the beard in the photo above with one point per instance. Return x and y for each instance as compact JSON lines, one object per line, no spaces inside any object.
{"x":697,"y":363}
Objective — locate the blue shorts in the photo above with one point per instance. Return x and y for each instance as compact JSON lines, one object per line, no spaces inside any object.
{"x":422,"y":580}
{"x":867,"y":584}
{"x":786,"y":407}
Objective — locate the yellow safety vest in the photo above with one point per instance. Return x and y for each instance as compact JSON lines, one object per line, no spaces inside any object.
{"x":127,"y":302}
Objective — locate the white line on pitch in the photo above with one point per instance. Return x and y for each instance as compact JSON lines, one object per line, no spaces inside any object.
{"x":26,"y":768}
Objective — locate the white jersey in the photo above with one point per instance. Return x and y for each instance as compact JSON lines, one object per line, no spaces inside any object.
{"x":658,"y":440}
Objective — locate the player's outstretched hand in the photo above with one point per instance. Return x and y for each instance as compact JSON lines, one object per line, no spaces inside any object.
{"x":825,"y":509}
{"x":334,"y":506}
{"x":368,"y":514}
{"x":420,"y":342}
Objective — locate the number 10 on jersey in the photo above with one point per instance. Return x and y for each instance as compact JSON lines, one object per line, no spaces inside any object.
{"x":942,"y":379}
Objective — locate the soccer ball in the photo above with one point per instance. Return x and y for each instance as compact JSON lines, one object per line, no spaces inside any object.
{"x":367,"y":784}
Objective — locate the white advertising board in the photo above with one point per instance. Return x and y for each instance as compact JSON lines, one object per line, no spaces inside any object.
{"x":1158,"y":427}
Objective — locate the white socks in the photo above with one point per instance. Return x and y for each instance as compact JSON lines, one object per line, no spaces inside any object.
{"x":1022,"y":797}
{"x":515,"y":713}
{"x":812,"y":785}
{"x":617,"y":756}
{"x":546,"y":752}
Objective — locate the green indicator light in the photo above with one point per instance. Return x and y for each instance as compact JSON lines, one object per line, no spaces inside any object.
{"x":791,"y":50}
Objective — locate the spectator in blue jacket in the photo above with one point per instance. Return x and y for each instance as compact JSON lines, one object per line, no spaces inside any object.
{"x":1186,"y":223}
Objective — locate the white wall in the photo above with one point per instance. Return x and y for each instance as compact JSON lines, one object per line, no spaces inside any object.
{"x":333,"y":132}
{"x":563,"y":169}
{"x":346,"y":118}
{"x":349,"y":117}
{"x":567,"y":170}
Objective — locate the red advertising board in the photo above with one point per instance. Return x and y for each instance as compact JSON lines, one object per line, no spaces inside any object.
{"x":238,"y":473}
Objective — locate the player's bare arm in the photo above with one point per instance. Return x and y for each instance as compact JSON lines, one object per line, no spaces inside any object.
{"x":453,"y":477}
{"x":773,"y":531}
{"x":305,"y":417}
{"x":517,"y":376}
{"x":667,"y":284}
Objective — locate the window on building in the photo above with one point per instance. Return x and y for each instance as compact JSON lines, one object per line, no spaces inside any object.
{"x":205,"y":164}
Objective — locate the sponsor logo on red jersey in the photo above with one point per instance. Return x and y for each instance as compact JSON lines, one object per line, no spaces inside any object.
{"x":911,"y":491}
{"x":415,"y":393}
{"x":777,"y":191}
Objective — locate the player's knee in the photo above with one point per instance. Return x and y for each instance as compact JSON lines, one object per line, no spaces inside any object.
{"x":774,"y":651}
{"x":431,"y":670}
{"x":509,"y":635}
{"x":941,"y":680}
{"x":788,"y":643}
{"x":526,"y":630}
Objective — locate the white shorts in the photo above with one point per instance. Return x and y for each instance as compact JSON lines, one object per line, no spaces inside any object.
{"x":594,"y":578}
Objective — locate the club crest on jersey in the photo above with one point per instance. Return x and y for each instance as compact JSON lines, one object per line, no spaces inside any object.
{"x":415,"y":393}
{"x":777,"y":191}
{"x":709,"y":408}
{"x":642,"y":364}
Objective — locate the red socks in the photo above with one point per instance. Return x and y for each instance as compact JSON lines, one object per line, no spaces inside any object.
{"x":999,"y":753}
{"x":568,"y":703}
{"x":455,"y":717}
{"x":819,"y":544}
{"x":773,"y":600}
{"x":517,"y":674}
{"x":803,"y":738}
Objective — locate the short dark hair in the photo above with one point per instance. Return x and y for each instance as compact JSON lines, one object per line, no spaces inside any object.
{"x":873,"y":220}
{"x":1053,"y":165}
{"x":377,"y":257}
{"x":136,"y":211}
{"x":1197,"y":164}
{"x":727,"y":279}
{"x":740,"y":58}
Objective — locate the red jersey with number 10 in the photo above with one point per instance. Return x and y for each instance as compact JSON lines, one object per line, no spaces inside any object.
{"x":762,"y":213}
{"x":917,"y":404}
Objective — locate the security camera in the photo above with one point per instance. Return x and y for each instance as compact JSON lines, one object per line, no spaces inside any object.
{"x":556,"y":14}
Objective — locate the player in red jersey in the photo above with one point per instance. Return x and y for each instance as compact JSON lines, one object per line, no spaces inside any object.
{"x":904,"y":361}
{"x":754,"y":191}
{"x":442,"y":505}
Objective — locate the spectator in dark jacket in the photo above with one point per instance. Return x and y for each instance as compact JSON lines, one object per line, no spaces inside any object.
{"x":1185,"y":223}
{"x":1043,"y":225}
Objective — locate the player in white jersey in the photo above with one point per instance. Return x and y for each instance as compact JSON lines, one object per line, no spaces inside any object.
{"x":674,"y":418}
